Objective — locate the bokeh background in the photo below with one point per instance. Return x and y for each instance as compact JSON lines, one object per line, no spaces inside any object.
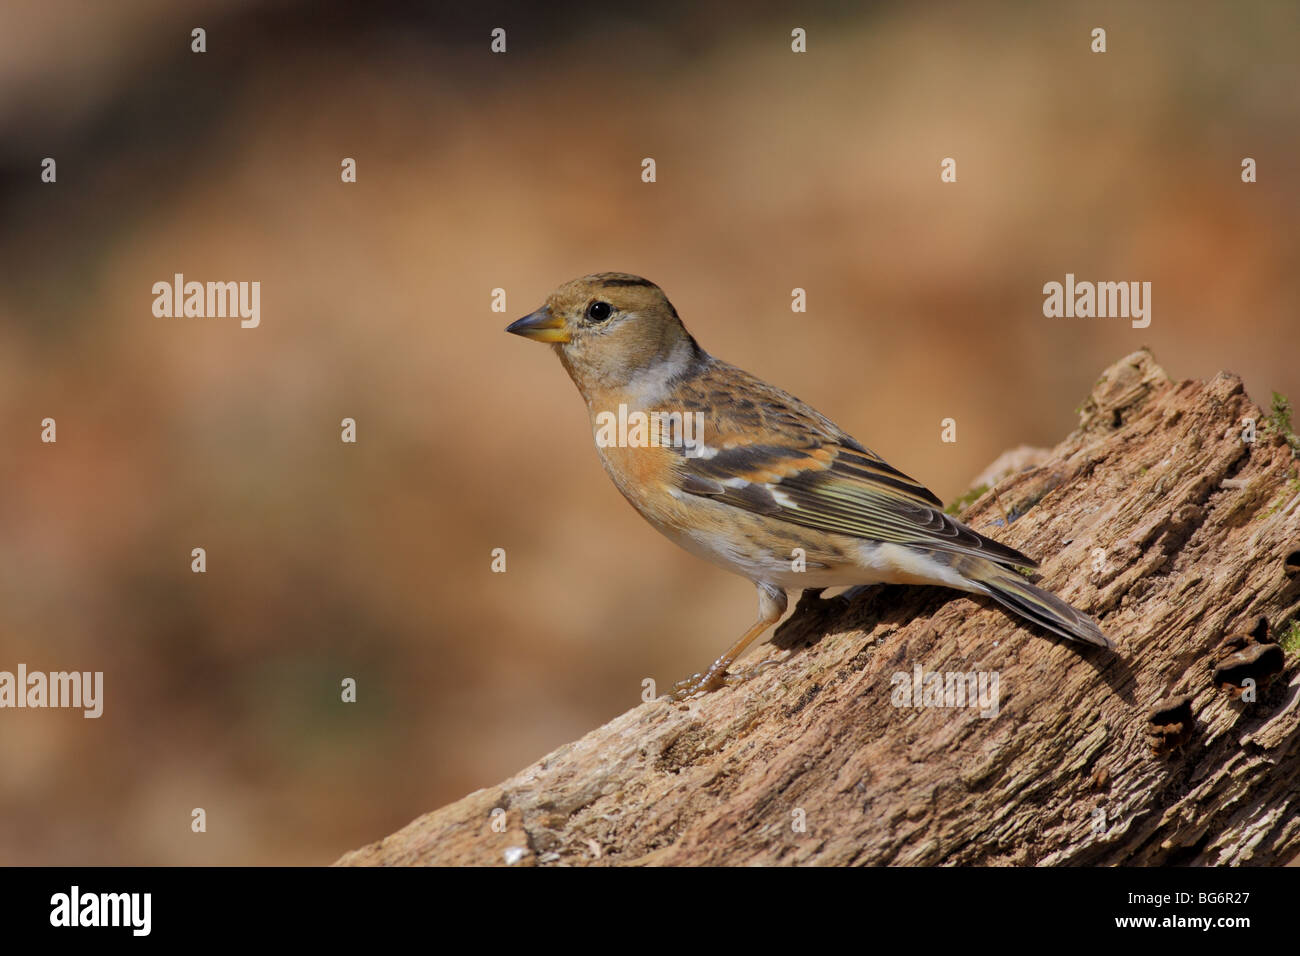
{"x":520,"y":171}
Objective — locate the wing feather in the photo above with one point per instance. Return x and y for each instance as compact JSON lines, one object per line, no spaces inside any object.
{"x":768,"y":453}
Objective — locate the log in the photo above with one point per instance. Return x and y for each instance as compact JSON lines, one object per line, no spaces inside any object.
{"x":1156,"y":515}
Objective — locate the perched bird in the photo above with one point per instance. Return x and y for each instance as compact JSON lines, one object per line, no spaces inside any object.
{"x":762,"y":474}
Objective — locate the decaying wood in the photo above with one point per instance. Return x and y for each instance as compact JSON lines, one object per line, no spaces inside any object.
{"x":1154,"y":515}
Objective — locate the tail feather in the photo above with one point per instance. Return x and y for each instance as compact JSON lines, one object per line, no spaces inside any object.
{"x":1012,"y":591}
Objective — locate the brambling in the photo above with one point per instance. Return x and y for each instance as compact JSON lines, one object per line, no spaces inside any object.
{"x":768,"y":488}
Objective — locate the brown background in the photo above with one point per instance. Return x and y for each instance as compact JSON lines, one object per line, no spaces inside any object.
{"x":522,"y":171}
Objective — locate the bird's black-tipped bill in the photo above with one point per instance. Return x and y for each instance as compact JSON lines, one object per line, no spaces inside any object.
{"x":541,"y":326}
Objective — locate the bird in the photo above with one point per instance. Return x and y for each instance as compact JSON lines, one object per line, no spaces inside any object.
{"x":754,"y":480}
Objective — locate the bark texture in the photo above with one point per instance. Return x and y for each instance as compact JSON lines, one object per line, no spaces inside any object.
{"x":1154,"y":515}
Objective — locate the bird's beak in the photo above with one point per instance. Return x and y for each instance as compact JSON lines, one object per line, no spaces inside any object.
{"x":541,"y":326}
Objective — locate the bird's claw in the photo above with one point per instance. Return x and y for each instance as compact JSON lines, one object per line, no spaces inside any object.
{"x":705,"y":681}
{"x":716,"y":678}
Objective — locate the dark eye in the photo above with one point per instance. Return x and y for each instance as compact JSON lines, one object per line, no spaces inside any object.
{"x":599,"y":311}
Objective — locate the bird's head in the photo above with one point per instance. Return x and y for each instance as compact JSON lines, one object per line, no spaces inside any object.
{"x":612,"y":331}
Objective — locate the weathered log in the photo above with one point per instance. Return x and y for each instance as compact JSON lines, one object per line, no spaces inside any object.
{"x":1155,"y":515}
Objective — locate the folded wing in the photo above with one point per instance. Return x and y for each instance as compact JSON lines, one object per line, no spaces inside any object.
{"x":766,"y":452}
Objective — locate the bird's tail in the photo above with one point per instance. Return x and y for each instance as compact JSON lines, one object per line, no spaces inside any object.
{"x":1010,"y":589}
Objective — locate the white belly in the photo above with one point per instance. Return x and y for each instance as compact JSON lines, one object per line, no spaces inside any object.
{"x":864,"y":562}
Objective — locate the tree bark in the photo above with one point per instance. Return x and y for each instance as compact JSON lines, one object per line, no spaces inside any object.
{"x":1154,"y":515}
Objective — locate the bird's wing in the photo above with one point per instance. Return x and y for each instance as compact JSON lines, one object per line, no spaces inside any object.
{"x":764,"y":451}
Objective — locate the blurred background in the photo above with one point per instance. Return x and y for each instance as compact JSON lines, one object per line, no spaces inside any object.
{"x":520,"y":171}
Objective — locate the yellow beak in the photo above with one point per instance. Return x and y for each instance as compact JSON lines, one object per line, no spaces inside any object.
{"x":541,"y":326}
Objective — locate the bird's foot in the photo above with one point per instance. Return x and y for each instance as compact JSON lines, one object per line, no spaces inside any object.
{"x":699,"y":683}
{"x":717,"y":677}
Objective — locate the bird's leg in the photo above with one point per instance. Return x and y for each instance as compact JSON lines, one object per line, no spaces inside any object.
{"x":717,"y":675}
{"x":772,"y":603}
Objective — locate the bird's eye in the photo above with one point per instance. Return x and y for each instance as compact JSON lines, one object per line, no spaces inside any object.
{"x":599,"y":311}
